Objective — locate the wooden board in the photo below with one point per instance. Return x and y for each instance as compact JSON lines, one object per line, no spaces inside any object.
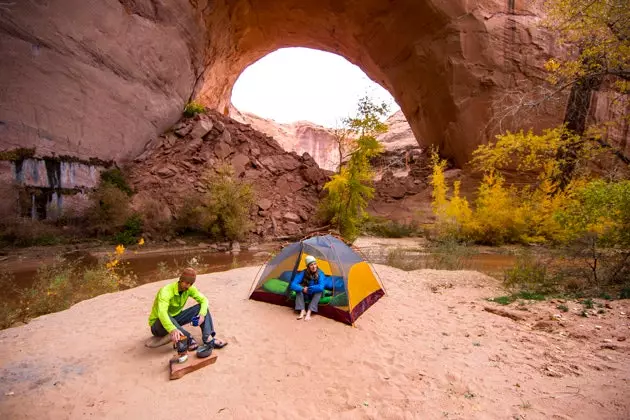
{"x":192,"y":364}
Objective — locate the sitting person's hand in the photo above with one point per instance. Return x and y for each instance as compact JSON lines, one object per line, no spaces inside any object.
{"x":305,"y":289}
{"x":175,"y":335}
{"x":201,"y":318}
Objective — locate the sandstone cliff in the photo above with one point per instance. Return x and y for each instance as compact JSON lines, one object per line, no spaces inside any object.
{"x":100,"y":78}
{"x":399,"y":134}
{"x":307,"y":137}
{"x":300,"y":137}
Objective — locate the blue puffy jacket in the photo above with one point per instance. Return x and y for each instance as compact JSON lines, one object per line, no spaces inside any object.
{"x":313,"y":287}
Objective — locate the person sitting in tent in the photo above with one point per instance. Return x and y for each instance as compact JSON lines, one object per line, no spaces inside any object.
{"x":167,"y":317}
{"x":308,"y":283}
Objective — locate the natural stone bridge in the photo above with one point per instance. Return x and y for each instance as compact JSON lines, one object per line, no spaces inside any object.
{"x":99,"y":78}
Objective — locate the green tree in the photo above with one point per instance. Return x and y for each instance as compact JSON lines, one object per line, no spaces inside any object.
{"x":350,"y":190}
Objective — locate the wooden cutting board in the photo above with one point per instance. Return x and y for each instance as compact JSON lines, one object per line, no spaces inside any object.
{"x":192,"y":364}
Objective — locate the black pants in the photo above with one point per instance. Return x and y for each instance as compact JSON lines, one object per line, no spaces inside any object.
{"x":183,"y":318}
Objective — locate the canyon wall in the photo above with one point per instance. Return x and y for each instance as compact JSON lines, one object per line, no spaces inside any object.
{"x":100,"y":78}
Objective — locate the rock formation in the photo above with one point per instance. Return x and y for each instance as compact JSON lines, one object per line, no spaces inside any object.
{"x":307,"y":137}
{"x":399,"y":135}
{"x":300,"y":137}
{"x":287,"y":186}
{"x":100,"y":78}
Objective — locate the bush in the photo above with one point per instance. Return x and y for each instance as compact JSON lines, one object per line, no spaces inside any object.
{"x":24,"y":232}
{"x":193,"y":108}
{"x":405,"y":260}
{"x":450,"y":254}
{"x":223,"y":212}
{"x":59,"y":285}
{"x":132,"y":230}
{"x":109,"y":210}
{"x":391,"y":228}
{"x":191,"y":216}
{"x":531,"y":275}
{"x":446,"y":255}
{"x":116,"y":178}
{"x":156,"y":217}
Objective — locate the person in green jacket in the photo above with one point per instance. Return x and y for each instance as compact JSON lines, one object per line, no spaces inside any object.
{"x":167,"y":316}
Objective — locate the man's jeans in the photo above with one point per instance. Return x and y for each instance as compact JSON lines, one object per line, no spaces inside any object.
{"x":183,"y":318}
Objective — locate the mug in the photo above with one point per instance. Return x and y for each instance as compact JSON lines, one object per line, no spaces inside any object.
{"x":195,"y":321}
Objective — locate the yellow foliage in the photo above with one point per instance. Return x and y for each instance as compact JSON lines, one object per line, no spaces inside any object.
{"x":440,"y":189}
{"x":111,"y":264}
{"x":501,"y":214}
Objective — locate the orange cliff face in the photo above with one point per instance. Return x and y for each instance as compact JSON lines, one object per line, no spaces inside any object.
{"x":101,"y":79}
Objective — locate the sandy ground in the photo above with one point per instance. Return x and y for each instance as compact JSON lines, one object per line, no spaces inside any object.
{"x":428,"y":350}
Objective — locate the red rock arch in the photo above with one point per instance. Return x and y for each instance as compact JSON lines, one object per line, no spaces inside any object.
{"x":415,"y":49}
{"x":98,"y":78}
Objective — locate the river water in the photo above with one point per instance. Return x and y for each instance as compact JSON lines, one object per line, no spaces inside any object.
{"x":163,"y":264}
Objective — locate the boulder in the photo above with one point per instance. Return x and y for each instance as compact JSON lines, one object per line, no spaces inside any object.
{"x":264,"y":203}
{"x":291,"y":217}
{"x":201,"y":127}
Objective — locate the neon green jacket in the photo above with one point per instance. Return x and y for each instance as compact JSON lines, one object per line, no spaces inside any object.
{"x":169,"y":301}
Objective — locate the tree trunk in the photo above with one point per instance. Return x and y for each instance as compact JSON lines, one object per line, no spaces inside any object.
{"x":575,"y":119}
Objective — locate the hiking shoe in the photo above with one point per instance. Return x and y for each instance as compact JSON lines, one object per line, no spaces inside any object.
{"x":192,"y":344}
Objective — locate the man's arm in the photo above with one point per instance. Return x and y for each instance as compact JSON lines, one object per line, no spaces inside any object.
{"x":200,"y":298}
{"x":164,"y":298}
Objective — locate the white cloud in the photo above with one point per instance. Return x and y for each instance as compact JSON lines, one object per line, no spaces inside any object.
{"x":294,"y":84}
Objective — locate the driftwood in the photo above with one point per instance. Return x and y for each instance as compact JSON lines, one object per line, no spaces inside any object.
{"x":503,"y":312}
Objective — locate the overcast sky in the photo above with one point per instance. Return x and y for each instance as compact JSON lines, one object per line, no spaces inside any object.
{"x":293,"y":84}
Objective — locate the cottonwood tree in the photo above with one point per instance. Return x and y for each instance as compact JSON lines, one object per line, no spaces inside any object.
{"x":350,"y":190}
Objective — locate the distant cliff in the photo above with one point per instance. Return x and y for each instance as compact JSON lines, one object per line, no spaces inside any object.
{"x":307,"y":137}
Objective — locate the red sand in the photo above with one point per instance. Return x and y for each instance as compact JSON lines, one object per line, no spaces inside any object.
{"x":428,"y":350}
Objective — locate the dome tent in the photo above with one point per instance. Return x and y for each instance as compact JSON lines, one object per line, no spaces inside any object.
{"x":351,"y":287}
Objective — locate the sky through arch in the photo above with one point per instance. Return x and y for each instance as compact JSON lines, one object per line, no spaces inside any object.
{"x":293,"y":84}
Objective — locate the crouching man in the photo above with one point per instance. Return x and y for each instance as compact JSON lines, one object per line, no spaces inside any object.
{"x":167,"y":317}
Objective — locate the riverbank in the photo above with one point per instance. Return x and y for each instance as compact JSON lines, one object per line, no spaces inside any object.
{"x":430,"y":349}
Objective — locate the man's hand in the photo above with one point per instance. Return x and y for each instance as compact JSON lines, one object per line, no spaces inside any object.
{"x":201,"y":318}
{"x":175,"y":335}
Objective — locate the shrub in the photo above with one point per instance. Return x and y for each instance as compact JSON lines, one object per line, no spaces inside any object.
{"x":193,"y":108}
{"x":109,"y":209}
{"x":190,"y":217}
{"x":446,"y":255}
{"x":391,"y":228}
{"x":531,"y":275}
{"x":156,"y":218}
{"x":116,"y":178}
{"x":63,"y":283}
{"x":404,"y":259}
{"x":449,"y":254}
{"x":22,"y":232}
{"x":223,"y":212}
{"x":131,"y":230}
